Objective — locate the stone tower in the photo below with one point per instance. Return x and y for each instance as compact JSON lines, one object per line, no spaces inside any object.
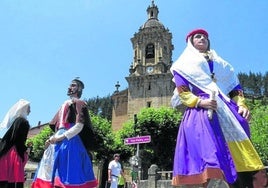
{"x":149,"y":81}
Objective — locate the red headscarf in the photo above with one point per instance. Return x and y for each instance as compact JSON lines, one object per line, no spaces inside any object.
{"x":200,"y":31}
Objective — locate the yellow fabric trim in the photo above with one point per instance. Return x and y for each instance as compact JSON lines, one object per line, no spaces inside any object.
{"x":240,"y":101}
{"x":245,"y":156}
{"x":188,"y":99}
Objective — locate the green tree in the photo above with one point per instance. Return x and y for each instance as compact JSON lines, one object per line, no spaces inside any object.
{"x":265,"y":84}
{"x":101,"y":106}
{"x":38,"y":143}
{"x":254,"y":86}
{"x":243,"y":78}
{"x":259,"y":131}
{"x":162,"y":125}
{"x":102,"y":128}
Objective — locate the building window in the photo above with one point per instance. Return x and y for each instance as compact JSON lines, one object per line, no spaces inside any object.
{"x":149,"y":104}
{"x":149,"y":86}
{"x":149,"y":51}
{"x":152,"y":14}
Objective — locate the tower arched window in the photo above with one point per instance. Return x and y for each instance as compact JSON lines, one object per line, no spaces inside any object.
{"x":150,"y":51}
{"x":152,"y":14}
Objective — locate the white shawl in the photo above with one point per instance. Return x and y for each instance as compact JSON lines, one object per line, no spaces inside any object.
{"x":20,"y":109}
{"x":193,"y":66}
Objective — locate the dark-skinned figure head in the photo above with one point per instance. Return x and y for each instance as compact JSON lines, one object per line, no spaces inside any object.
{"x":76,"y":88}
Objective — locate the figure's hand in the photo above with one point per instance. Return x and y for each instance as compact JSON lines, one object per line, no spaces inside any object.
{"x":52,"y":139}
{"x":56,"y":138}
{"x":208,"y":104}
{"x":244,"y":112}
{"x":47,"y":143}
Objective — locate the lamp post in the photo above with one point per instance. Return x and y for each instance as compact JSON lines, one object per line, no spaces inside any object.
{"x":136,"y":159}
{"x":135,"y":132}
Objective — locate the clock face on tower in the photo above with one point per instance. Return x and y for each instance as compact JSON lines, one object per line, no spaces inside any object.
{"x":149,"y":69}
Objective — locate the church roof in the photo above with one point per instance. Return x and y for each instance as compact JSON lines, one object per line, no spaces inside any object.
{"x":152,"y":23}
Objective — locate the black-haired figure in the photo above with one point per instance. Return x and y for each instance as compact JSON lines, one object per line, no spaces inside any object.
{"x":66,"y":162}
{"x":13,"y":154}
{"x":214,"y":137}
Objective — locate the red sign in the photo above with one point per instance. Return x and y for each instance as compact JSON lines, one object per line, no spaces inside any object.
{"x":137,"y":140}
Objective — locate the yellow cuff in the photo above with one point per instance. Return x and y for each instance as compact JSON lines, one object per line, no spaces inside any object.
{"x":240,"y":101}
{"x":188,"y":99}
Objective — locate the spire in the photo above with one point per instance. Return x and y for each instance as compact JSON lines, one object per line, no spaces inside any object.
{"x":152,"y":11}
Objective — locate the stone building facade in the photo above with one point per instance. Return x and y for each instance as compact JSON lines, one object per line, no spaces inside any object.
{"x":149,"y":80}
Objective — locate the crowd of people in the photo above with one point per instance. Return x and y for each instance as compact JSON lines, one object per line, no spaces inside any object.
{"x":213,"y":140}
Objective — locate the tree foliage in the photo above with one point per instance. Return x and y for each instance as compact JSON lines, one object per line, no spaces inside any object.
{"x":259,"y":131}
{"x":255,"y":85}
{"x":102,"y":127}
{"x":38,"y":143}
{"x":265,"y":84}
{"x":162,"y":125}
{"x":101,"y":106}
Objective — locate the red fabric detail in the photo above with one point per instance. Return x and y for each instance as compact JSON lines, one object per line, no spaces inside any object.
{"x":39,"y":183}
{"x":90,"y":184}
{"x":13,"y":166}
{"x":200,"y":31}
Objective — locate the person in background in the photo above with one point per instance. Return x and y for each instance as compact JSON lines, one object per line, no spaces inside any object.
{"x":65,"y":162}
{"x":13,"y":154}
{"x":114,"y":171}
{"x":214,"y":137}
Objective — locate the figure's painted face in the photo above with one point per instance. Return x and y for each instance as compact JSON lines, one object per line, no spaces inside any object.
{"x":73,"y":89}
{"x":200,"y":42}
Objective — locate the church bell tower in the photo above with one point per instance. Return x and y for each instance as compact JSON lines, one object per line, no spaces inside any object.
{"x":149,"y":80}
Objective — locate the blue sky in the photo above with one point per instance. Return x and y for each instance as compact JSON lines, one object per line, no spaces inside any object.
{"x":44,"y":44}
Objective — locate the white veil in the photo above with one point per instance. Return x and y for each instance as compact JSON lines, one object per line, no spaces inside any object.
{"x":20,"y":109}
